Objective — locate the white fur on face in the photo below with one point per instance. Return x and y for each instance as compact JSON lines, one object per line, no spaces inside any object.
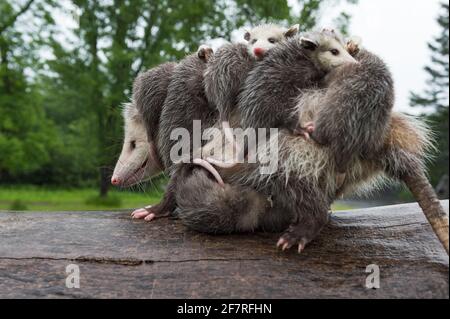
{"x":265,"y":37}
{"x":325,"y":57}
{"x":136,"y":162}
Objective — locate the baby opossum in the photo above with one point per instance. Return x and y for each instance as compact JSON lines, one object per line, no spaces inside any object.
{"x":229,"y":66}
{"x":352,"y":113}
{"x":267,"y":99}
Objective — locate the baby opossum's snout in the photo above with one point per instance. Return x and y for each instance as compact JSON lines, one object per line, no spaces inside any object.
{"x":259,"y":52}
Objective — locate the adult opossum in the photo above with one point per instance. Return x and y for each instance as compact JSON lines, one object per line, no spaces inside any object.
{"x":307,"y":199}
{"x":207,"y":207}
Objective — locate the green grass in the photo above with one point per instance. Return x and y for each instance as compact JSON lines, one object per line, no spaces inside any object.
{"x":47,"y":199}
{"x":338,"y":207}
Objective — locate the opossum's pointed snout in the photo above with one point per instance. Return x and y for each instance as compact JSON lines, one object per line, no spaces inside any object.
{"x":259,"y":52}
{"x":115,"y":181}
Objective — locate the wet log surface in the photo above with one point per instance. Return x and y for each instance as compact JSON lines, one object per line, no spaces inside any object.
{"x":123,"y":258}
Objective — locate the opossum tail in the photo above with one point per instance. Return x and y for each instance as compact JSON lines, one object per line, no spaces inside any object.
{"x":207,"y":207}
{"x":409,"y":146}
{"x":424,"y":193}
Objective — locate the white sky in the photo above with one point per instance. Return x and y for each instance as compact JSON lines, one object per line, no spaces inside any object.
{"x":398,"y":31}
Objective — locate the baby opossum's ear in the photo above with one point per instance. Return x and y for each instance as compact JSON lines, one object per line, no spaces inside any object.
{"x":247,"y":36}
{"x":292,"y":31}
{"x":354,"y":45}
{"x":204,"y":53}
{"x":309,"y":44}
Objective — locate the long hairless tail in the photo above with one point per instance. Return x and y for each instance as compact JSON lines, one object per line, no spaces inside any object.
{"x":206,"y":165}
{"x":424,"y":193}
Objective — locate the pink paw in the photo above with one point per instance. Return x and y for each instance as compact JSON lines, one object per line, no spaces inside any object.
{"x":306,"y":130}
{"x":143,"y":213}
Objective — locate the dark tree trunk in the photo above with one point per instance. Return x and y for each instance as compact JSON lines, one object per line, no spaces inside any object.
{"x":104,"y":181}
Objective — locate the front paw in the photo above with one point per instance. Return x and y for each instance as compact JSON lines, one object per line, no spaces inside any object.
{"x":148,"y":213}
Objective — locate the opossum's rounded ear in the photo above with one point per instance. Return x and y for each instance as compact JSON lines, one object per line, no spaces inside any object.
{"x":204,"y":53}
{"x":292,"y":31}
{"x":247,"y":36}
{"x":354,"y":45}
{"x":309,"y":44}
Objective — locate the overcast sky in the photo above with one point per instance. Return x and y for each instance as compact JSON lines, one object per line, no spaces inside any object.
{"x":397,"y":30}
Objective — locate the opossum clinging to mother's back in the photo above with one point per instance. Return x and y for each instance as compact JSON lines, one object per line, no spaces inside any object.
{"x":229,"y":66}
{"x":352,"y":113}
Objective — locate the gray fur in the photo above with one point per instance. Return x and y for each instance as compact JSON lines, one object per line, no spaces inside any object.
{"x":149,"y":94}
{"x":185,"y":102}
{"x":296,"y":199}
{"x":267,"y":99}
{"x":226,"y":72}
{"x":355,"y":110}
{"x":230,"y":65}
{"x":207,"y":207}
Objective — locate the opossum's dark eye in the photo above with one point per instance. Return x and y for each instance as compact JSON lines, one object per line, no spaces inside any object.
{"x":254,"y":41}
{"x":272,"y":40}
{"x":133,"y":145}
{"x":335,"y":52}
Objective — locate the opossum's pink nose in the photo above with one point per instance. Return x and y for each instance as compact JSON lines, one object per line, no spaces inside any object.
{"x":259,"y":52}
{"x":115,"y":181}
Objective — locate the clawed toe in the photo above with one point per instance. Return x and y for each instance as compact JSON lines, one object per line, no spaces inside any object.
{"x":287,"y":242}
{"x":283,"y":244}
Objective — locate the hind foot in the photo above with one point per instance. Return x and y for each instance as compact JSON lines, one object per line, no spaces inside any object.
{"x":305,"y":131}
{"x":295,"y":235}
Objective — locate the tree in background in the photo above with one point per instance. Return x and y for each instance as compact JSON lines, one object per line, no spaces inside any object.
{"x":436,"y":96}
{"x":26,"y":135}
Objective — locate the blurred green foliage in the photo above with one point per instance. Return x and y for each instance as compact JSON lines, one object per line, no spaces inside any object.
{"x":67,"y":66}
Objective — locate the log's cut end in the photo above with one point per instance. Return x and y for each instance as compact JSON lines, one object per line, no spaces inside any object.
{"x":122,"y":258}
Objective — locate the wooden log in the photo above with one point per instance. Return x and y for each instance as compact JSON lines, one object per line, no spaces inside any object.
{"x":123,"y":258}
